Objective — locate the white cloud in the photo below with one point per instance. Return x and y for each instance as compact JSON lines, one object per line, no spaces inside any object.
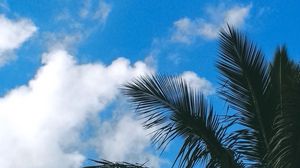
{"x":100,"y":12}
{"x":124,"y":139}
{"x":13,"y":34}
{"x":198,"y":83}
{"x":40,"y":122}
{"x":236,"y":16}
{"x":76,"y":27}
{"x":186,"y":30}
{"x":63,"y":40}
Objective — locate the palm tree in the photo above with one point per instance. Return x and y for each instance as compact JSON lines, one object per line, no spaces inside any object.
{"x":264,"y":130}
{"x":265,"y":97}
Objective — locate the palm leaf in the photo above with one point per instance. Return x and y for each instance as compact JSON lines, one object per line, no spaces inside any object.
{"x":286,"y":93}
{"x":109,"y":164}
{"x":281,"y":79}
{"x":245,"y":77}
{"x":168,"y":105}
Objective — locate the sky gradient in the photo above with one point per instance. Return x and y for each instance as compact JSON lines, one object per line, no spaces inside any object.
{"x":62,"y":63}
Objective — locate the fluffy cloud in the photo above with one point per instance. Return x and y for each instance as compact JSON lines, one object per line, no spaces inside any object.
{"x":13,"y":34}
{"x":186,"y":30}
{"x":40,"y":123}
{"x":124,"y":139}
{"x":198,"y":83}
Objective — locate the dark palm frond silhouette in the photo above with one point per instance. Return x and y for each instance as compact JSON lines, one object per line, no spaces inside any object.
{"x":264,"y":96}
{"x":109,"y":164}
{"x":174,"y":109}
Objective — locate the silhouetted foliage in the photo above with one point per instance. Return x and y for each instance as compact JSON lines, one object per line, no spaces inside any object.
{"x":264,"y":96}
{"x":109,"y":164}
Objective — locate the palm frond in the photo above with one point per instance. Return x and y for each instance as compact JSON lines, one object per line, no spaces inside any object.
{"x":281,"y":79}
{"x":168,"y":105}
{"x":285,"y":144}
{"x":108,"y":164}
{"x":245,"y":77}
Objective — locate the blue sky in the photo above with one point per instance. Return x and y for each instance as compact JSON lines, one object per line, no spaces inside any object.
{"x":62,"y":62}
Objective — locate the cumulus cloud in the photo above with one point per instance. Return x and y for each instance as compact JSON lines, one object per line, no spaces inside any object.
{"x":13,"y":34}
{"x":198,"y":83}
{"x":124,"y":139}
{"x":186,"y":30}
{"x":40,"y":122}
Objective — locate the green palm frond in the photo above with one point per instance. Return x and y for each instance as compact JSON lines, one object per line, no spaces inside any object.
{"x":109,"y":164}
{"x":245,"y":77}
{"x":168,"y":105}
{"x":285,"y":144}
